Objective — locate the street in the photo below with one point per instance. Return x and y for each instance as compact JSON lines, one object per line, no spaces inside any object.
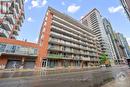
{"x":91,"y":78}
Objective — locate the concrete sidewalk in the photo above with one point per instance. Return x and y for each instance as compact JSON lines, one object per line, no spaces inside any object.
{"x":122,"y":80}
{"x":29,"y":72}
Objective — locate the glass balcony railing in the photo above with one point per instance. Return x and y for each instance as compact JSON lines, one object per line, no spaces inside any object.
{"x":7,"y":25}
{"x":11,"y":18}
{"x":55,"y":56}
{"x":4,"y":33}
{"x":17,"y":49}
{"x":17,"y":7}
{"x":15,"y":32}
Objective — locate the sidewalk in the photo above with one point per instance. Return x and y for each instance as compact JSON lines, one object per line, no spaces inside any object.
{"x":122,"y":81}
{"x":32,"y":72}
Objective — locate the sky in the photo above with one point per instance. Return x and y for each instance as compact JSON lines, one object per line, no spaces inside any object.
{"x":35,"y":12}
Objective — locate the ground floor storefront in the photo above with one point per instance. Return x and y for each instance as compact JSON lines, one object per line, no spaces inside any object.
{"x":16,"y":62}
{"x":25,"y":62}
{"x":64,"y":63}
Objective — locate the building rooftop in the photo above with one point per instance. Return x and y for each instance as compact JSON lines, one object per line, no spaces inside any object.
{"x":72,"y":20}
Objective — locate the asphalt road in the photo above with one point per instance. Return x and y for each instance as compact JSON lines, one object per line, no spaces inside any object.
{"x":91,"y":78}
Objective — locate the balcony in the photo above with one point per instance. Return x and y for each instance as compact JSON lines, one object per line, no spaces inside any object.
{"x":54,"y":41}
{"x":60,"y":36}
{"x":7,"y":25}
{"x":85,"y":58}
{"x":17,"y":7}
{"x":11,"y":49}
{"x":15,"y":13}
{"x":11,"y":19}
{"x":4,"y":33}
{"x":22,"y":17}
{"x":63,"y":43}
{"x":70,"y":29}
{"x":54,"y":48}
{"x":71,"y":25}
{"x":55,"y":56}
{"x":15,"y":32}
{"x":20,"y":3}
{"x":68,"y":33}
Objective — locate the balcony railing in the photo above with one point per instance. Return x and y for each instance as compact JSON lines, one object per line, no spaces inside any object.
{"x":7,"y":25}
{"x":55,"y":56}
{"x":17,"y":49}
{"x":15,"y":32}
{"x":4,"y":33}
{"x":54,"y":41}
{"x":17,"y":7}
{"x":72,"y":25}
{"x":11,"y":19}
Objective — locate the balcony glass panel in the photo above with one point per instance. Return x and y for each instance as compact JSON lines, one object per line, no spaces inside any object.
{"x":55,"y":56}
{"x":17,"y":49}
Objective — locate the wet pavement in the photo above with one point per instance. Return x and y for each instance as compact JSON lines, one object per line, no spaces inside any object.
{"x":122,"y":80}
{"x":26,"y":73}
{"x":91,"y":78}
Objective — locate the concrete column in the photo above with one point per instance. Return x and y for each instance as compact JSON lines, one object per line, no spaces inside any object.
{"x":22,"y":64}
{"x":81,"y":64}
{"x":23,"y":60}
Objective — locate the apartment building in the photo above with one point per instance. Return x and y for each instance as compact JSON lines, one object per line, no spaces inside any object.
{"x":11,"y":17}
{"x":94,"y":21}
{"x":114,"y":54}
{"x":126,"y":5}
{"x":124,"y":43}
{"x":65,"y":42}
{"x":121,"y":48}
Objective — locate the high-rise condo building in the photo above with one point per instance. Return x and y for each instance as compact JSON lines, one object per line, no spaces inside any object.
{"x":11,"y":17}
{"x":126,"y":46}
{"x":126,"y":5}
{"x":124,"y":43}
{"x":121,"y":48}
{"x":94,"y":21}
{"x":113,"y":47}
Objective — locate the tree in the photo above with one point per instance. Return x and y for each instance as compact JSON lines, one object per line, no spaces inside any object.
{"x":103,"y":59}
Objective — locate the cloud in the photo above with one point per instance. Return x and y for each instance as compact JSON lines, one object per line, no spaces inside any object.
{"x":81,"y":17}
{"x":30,"y":19}
{"x":35,"y":3}
{"x":25,"y":1}
{"x":44,"y":2}
{"x":38,"y":3}
{"x":128,"y":40}
{"x":63,"y":3}
{"x":73,"y":8}
{"x":116,"y":9}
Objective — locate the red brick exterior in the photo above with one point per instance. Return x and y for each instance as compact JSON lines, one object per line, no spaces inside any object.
{"x":44,"y":41}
